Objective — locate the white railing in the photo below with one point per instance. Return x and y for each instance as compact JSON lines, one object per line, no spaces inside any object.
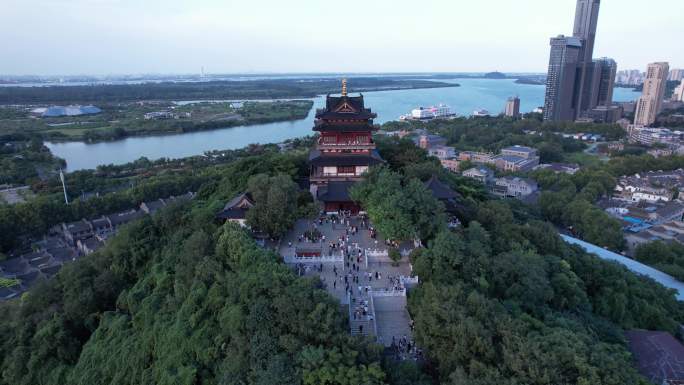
{"x":377,"y":253}
{"x":388,"y":293}
{"x":321,"y":259}
{"x":408,"y":280}
{"x":375,"y":322}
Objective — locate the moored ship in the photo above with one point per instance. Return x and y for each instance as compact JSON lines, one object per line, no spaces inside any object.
{"x":441,"y":111}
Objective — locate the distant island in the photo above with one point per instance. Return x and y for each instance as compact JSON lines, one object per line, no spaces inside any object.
{"x":274,"y":88}
{"x":495,"y":75}
{"x":531,"y":81}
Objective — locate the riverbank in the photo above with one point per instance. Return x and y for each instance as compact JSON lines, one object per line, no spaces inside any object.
{"x":119,"y":121}
{"x":472,"y":94}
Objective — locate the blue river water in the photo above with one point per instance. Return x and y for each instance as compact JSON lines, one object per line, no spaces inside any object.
{"x":389,"y":105}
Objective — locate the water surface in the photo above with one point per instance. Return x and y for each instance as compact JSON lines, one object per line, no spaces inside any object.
{"x":389,"y":105}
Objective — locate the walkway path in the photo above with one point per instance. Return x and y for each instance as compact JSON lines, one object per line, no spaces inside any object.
{"x":637,"y":267}
{"x":365,"y":281}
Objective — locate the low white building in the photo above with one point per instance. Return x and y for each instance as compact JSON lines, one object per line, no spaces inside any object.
{"x":515,"y":187}
{"x":481,"y":174}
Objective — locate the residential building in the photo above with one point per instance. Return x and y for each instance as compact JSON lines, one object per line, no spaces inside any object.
{"x":427,"y":141}
{"x":509,"y":163}
{"x":651,"y":136}
{"x":676,"y":74}
{"x":77,"y":230}
{"x":481,"y":174}
{"x":520,"y":151}
{"x":561,"y":77}
{"x":630,"y":77}
{"x":442,"y":152}
{"x":514,"y":187}
{"x":678,"y":94}
{"x":655,"y":186}
{"x":451,"y":164}
{"x":666,"y":232}
{"x":344,"y":152}
{"x":517,"y":158}
{"x":606,"y":114}
{"x":476,"y":157}
{"x":512,"y":107}
{"x":89,"y":245}
{"x":606,"y":81}
{"x":651,"y":100}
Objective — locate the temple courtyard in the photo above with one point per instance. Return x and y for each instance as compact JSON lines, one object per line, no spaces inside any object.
{"x":352,"y":261}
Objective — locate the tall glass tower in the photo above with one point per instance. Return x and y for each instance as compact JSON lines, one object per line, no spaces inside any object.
{"x":574,"y":79}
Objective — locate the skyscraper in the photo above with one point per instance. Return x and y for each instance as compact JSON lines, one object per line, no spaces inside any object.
{"x":513,"y":107}
{"x":649,"y":104}
{"x":573,"y":95}
{"x":676,"y":75}
{"x":678,"y":95}
{"x":560,"y":80}
{"x":606,"y":82}
{"x":586,"y":22}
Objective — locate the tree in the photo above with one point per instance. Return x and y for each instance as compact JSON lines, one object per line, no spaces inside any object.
{"x":275,"y":208}
{"x":401,"y":210}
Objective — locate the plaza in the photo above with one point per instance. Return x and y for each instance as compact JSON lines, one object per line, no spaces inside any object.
{"x":353,"y":263}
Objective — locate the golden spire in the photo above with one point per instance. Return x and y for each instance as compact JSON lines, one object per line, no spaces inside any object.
{"x":344,"y":87}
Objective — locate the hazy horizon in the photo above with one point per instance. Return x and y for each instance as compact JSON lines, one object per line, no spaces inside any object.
{"x":123,"y":37}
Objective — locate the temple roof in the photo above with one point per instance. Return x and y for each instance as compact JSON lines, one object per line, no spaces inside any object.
{"x":317,"y":158}
{"x":335,"y":192}
{"x":440,"y":190}
{"x":345,"y":107}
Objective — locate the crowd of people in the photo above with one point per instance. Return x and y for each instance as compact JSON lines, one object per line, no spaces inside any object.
{"x":347,"y":241}
{"x":405,"y":349}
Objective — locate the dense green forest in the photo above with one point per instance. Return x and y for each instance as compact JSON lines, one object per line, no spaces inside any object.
{"x":252,"y":89}
{"x":176,"y":298}
{"x":566,"y":200}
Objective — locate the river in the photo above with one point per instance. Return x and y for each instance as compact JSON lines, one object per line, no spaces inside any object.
{"x":473,"y":94}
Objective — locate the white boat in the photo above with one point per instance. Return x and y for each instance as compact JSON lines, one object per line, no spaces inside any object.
{"x":481,"y":112}
{"x":441,"y":111}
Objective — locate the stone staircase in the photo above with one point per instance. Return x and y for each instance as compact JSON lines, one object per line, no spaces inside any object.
{"x":392,"y":319}
{"x":363,"y":325}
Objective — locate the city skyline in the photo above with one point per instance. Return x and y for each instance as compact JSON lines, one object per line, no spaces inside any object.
{"x":89,"y":37}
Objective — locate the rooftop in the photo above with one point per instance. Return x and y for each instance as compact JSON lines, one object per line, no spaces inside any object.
{"x":520,"y":149}
{"x":440,"y":190}
{"x":659,"y":356}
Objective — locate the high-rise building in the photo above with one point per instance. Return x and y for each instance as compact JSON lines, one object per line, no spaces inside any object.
{"x":678,"y":95}
{"x":649,"y":104}
{"x":513,"y":107}
{"x":586,"y":22}
{"x":676,"y":75}
{"x":573,"y":92}
{"x":560,"y":80}
{"x":606,"y":83}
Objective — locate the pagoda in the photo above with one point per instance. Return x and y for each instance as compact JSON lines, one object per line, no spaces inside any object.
{"x":344,"y":151}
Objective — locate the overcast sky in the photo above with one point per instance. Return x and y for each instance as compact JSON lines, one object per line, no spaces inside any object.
{"x":228,"y":36}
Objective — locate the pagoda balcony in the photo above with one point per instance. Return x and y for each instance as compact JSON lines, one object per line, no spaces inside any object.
{"x":321,"y":177}
{"x":344,"y":145}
